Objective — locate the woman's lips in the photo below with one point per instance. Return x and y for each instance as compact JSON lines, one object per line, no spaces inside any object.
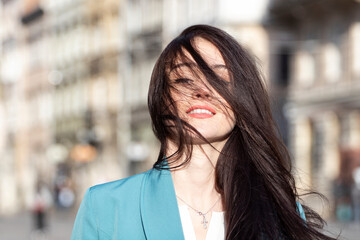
{"x":201,"y":112}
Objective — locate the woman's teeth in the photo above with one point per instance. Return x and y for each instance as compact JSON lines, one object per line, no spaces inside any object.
{"x":200,"y":111}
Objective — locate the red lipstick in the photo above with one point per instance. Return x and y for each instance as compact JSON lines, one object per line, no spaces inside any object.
{"x":201,"y":112}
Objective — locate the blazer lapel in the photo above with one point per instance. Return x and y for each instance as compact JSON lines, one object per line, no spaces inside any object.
{"x":158,"y":206}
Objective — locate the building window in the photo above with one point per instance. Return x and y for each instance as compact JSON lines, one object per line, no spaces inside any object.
{"x":335,"y":50}
{"x":283,"y":73}
{"x":305,"y":68}
{"x":332,"y":62}
{"x":355,"y":35}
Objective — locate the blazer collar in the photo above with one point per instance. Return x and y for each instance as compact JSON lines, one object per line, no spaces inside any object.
{"x":158,"y":206}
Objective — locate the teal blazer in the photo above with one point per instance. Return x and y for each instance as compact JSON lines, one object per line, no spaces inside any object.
{"x":143,"y":206}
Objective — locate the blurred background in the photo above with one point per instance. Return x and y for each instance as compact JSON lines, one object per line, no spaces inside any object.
{"x":74,"y":76}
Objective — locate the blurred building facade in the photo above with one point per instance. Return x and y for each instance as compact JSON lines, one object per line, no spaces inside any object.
{"x":74,"y":77}
{"x":59,"y":97}
{"x":320,"y":43}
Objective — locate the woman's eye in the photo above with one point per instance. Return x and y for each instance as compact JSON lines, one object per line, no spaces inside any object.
{"x":183,"y":80}
{"x":225,"y":82}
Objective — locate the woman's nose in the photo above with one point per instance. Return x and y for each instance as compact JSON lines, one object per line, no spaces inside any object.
{"x":201,"y":92}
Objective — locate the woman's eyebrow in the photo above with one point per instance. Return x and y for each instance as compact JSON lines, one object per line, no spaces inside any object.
{"x":192,"y":65}
{"x":215,"y":66}
{"x":185,"y":64}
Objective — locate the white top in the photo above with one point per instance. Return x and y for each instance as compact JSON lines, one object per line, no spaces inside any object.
{"x":216,"y":228}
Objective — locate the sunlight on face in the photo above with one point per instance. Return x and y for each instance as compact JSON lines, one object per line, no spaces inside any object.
{"x":197,"y":102}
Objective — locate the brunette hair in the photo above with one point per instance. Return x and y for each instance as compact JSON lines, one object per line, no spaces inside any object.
{"x":253,"y":171}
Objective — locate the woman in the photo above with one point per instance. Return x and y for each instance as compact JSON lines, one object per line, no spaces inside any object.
{"x":222,"y":171}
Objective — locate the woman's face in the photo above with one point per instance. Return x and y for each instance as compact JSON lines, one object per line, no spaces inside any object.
{"x":197,"y":102}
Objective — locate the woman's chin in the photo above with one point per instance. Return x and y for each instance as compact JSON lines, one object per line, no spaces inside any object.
{"x":196,"y":140}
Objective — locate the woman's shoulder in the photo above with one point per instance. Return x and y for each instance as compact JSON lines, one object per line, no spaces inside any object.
{"x":111,"y":208}
{"x":121,"y":187}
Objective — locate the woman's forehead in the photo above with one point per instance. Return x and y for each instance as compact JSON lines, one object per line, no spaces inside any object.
{"x":184,"y":62}
{"x":208,"y":51}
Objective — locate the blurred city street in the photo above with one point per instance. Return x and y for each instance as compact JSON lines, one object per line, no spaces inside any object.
{"x":20,"y":226}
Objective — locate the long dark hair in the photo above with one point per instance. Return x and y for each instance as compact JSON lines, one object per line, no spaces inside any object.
{"x":253,"y":171}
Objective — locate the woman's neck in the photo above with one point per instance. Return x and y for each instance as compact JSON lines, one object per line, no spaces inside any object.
{"x":195,"y":182}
